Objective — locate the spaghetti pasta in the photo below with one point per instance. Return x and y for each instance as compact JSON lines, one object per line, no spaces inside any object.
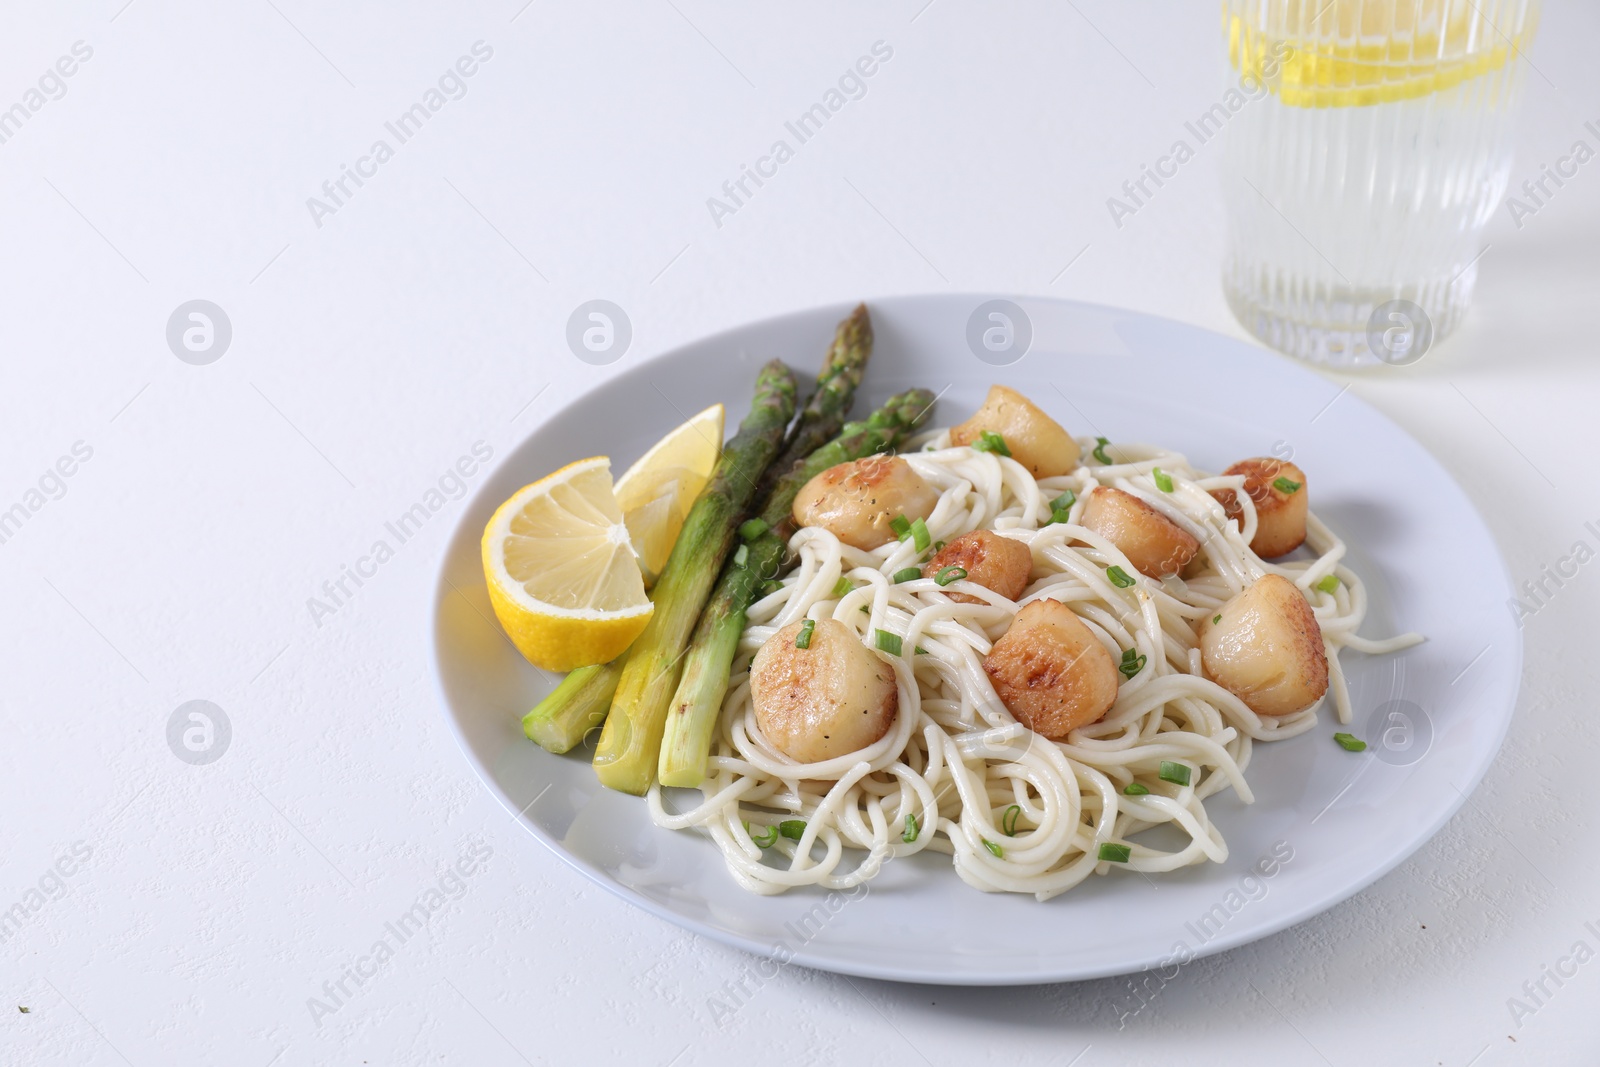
{"x":957,"y":773}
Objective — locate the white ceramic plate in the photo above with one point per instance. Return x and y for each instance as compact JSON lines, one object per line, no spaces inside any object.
{"x":1435,"y":714}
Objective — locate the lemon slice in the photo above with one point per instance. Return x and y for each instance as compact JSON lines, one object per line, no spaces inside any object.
{"x":658,"y":491}
{"x":561,"y":572}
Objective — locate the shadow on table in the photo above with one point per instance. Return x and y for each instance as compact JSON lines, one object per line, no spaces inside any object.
{"x":1532,"y":304}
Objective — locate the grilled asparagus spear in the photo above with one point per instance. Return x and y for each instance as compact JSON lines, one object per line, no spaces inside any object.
{"x":692,"y":717}
{"x":576,"y":706}
{"x":630,"y":743}
{"x":823,"y":416}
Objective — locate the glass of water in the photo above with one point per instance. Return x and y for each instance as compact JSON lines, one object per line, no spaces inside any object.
{"x":1370,"y":145}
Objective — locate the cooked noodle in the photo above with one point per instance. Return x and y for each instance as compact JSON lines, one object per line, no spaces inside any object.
{"x":955,"y":760}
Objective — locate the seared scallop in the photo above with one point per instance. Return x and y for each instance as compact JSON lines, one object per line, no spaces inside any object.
{"x":831,"y":698}
{"x":857,"y":501}
{"x":1153,"y":543}
{"x":1051,"y":672}
{"x":1033,"y":438}
{"x":994,"y":562}
{"x":1278,"y":490}
{"x":1264,"y":646}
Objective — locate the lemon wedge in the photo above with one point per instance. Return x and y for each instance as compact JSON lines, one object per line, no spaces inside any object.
{"x":657,"y":492}
{"x":561,"y":572}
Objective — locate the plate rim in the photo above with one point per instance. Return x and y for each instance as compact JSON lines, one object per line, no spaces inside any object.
{"x":803,"y":955}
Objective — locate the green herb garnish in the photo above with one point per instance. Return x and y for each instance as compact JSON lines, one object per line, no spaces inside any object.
{"x":1064,"y":502}
{"x":1119,"y":577}
{"x":901,"y":526}
{"x":994,"y":848}
{"x":1330,"y":584}
{"x":842,"y":587}
{"x":912,"y":830}
{"x":1113,"y":853}
{"x":1176,"y":773}
{"x":750,"y":529}
{"x":1215,"y":619}
{"x":920,"y":537}
{"x":907,"y":574}
{"x":989,"y":441}
{"x":1134,"y":789}
{"x":947,"y":575}
{"x":803,"y":638}
{"x":1132,"y":662}
{"x":1100,"y":449}
{"x":1008,"y":822}
{"x":1163,"y":479}
{"x":793,"y":829}
{"x":767,"y":839}
{"x":887,"y":642}
{"x":1284,"y":485}
{"x":1350,"y":742}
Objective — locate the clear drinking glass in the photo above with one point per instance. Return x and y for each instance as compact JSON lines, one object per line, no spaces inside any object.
{"x":1370,"y":144}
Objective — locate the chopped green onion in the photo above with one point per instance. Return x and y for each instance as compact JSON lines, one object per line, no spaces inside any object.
{"x":1163,"y":479}
{"x":842,"y":587}
{"x":1134,"y":789}
{"x":767,"y":839}
{"x":1058,"y":515}
{"x":921,"y":651}
{"x":901,"y":526}
{"x":1119,"y":577}
{"x":907,"y":574}
{"x":793,"y":829}
{"x":920,"y":537}
{"x":1284,"y":485}
{"x":887,"y":642}
{"x":1064,"y":502}
{"x":740,"y":556}
{"x":751,"y":529}
{"x":1176,"y":773}
{"x":1113,"y":853}
{"x":864,"y":610}
{"x":1100,"y":449}
{"x":994,"y":848}
{"x":803,"y":638}
{"x":1330,"y":584}
{"x":937,"y":545}
{"x":912,"y":830}
{"x":947,"y":575}
{"x":1132,"y":662}
{"x":1350,"y":742}
{"x":1008,"y":822}
{"x":1215,"y":619}
{"x":988,"y":441}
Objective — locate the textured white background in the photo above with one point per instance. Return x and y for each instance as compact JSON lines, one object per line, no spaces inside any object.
{"x":369,"y":353}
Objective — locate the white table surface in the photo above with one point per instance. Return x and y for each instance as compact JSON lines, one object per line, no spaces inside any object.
{"x":208,"y":904}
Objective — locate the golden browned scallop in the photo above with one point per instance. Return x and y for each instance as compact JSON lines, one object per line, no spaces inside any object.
{"x":1264,"y":646}
{"x":1153,"y":543}
{"x":857,"y":501}
{"x":994,"y":562}
{"x":831,"y":698}
{"x":1051,"y":672}
{"x":1278,"y":489}
{"x":1034,"y":439}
